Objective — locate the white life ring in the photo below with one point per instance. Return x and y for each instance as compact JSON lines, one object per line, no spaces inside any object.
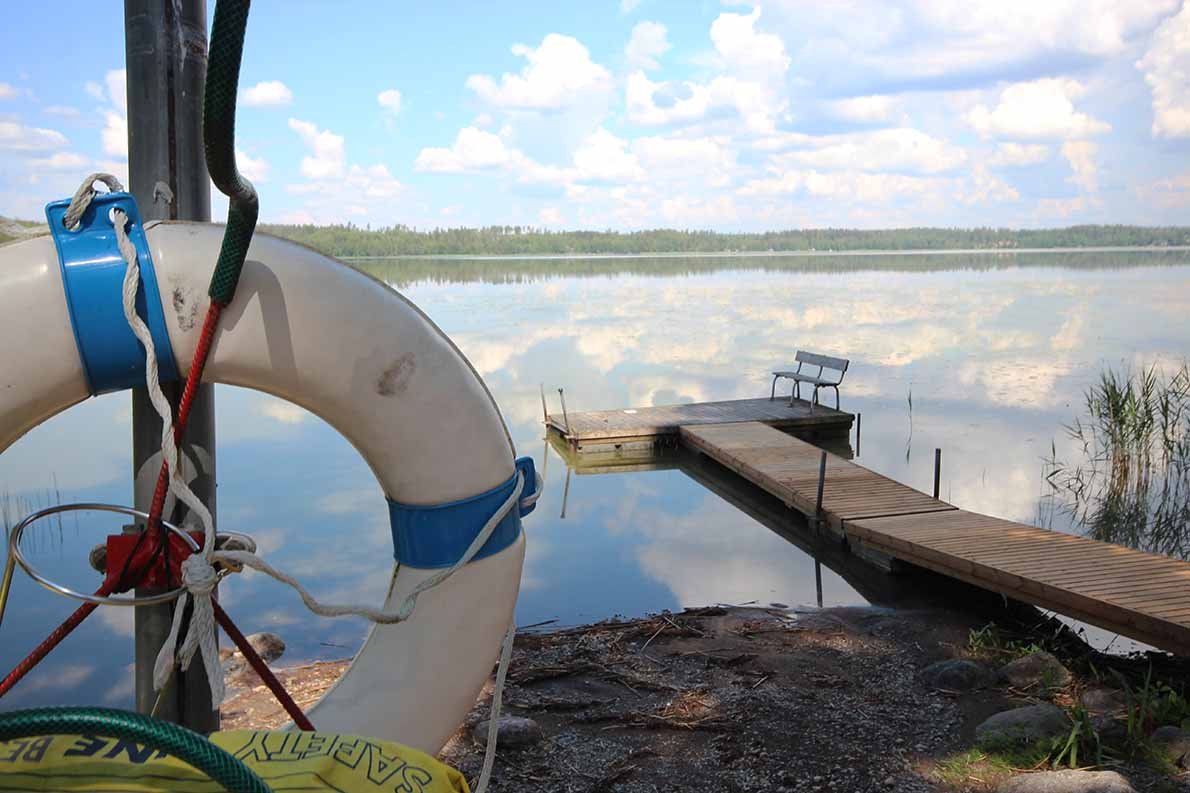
{"x":348,"y":348}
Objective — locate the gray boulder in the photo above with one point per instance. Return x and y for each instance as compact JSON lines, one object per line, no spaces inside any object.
{"x":1175,"y":742}
{"x":1106,"y":708}
{"x":511,"y":732}
{"x":1022,"y":725}
{"x":1036,"y":670}
{"x":957,"y":674}
{"x":1067,"y":782}
{"x":268,"y":646}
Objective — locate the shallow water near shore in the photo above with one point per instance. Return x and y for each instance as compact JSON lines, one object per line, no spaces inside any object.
{"x":985,"y":356}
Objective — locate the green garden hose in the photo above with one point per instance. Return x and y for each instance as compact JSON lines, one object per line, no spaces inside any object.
{"x":179,"y":742}
{"x":218,"y":133}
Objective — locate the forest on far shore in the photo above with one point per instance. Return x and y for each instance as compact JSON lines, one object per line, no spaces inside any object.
{"x":352,"y":240}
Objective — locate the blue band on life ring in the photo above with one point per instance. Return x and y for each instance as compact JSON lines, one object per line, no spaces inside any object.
{"x":93,"y":277}
{"x":437,"y":535}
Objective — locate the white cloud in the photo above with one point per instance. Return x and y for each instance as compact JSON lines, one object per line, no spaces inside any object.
{"x":843,"y":185}
{"x":866,"y":109}
{"x":327,"y":155}
{"x":7,"y":91}
{"x":628,"y":6}
{"x":94,"y":90}
{"x":551,"y":216}
{"x":473,"y":149}
{"x":255,"y":169}
{"x":18,"y":137}
{"x":648,"y":43}
{"x":390,"y":100}
{"x":864,"y":43}
{"x":899,"y":149}
{"x":747,"y":50}
{"x":282,"y":411}
{"x":558,"y":73}
{"x":1171,"y":193}
{"x":1041,"y":109}
{"x":1015,"y":154}
{"x":63,"y":110}
{"x":117,"y":89}
{"x":658,"y":104}
{"x":1166,"y":66}
{"x":984,"y":187}
{"x":62,"y":161}
{"x":707,"y":160}
{"x":269,"y":93}
{"x":605,"y":157}
{"x":115,"y":134}
{"x":1081,"y":156}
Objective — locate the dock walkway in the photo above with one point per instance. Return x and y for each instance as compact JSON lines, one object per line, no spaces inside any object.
{"x":1141,"y":595}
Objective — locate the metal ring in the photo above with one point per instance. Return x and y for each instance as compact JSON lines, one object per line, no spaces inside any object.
{"x":14,"y":550}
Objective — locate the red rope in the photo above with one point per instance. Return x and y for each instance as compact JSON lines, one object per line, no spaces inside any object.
{"x":193,"y":379}
{"x":261,"y":668}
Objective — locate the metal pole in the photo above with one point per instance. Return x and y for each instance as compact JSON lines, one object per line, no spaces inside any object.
{"x":565,"y":493}
{"x":166,"y":57}
{"x":545,"y":413}
{"x":937,"y":470}
{"x":859,"y":423}
{"x":818,"y":581}
{"x":565,"y":417}
{"x":821,"y":485}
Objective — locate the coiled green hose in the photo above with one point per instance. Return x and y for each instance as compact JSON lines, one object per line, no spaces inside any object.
{"x":172,"y":739}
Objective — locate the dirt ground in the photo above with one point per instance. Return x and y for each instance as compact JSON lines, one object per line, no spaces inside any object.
{"x":724,"y":699}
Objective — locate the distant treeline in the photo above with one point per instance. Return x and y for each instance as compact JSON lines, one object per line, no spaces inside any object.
{"x":351,"y":240}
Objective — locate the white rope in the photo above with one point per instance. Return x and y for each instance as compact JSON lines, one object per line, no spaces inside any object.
{"x":489,"y":755}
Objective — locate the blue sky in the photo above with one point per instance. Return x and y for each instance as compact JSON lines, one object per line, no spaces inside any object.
{"x":644,"y":113}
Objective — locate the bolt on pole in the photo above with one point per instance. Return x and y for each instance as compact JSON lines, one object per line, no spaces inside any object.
{"x":166,"y":57}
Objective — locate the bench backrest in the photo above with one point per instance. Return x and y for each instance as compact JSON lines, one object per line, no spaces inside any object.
{"x":823,"y":361}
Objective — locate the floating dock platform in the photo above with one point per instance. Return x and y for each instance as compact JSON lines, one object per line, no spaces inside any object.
{"x":661,"y":424}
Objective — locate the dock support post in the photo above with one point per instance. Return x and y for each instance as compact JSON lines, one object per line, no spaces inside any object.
{"x":566,"y":418}
{"x":545,"y":413}
{"x":859,"y":423}
{"x":818,"y":581}
{"x":937,"y":470}
{"x":821,"y":485}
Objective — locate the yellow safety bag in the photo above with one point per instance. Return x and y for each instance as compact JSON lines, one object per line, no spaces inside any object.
{"x":285,"y":761}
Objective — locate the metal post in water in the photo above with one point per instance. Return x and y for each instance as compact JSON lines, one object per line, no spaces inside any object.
{"x":166,"y":57}
{"x":818,"y":581}
{"x":565,"y":492}
{"x":821,"y":485}
{"x":545,"y":413}
{"x":565,"y":417}
{"x":937,"y":470}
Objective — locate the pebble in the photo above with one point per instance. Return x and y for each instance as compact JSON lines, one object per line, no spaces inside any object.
{"x":513,"y":731}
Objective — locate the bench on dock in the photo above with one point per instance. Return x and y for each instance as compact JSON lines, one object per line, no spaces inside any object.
{"x":819,"y":379}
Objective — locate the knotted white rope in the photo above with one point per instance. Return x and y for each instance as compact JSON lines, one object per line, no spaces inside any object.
{"x":199,"y":575}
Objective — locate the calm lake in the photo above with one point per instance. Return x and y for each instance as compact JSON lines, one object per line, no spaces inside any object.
{"x":986,"y":356}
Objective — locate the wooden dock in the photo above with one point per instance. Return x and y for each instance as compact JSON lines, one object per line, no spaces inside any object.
{"x":1140,"y":595}
{"x":650,"y":424}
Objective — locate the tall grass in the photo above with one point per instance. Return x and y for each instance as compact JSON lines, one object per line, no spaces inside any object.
{"x":1132,"y":483}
